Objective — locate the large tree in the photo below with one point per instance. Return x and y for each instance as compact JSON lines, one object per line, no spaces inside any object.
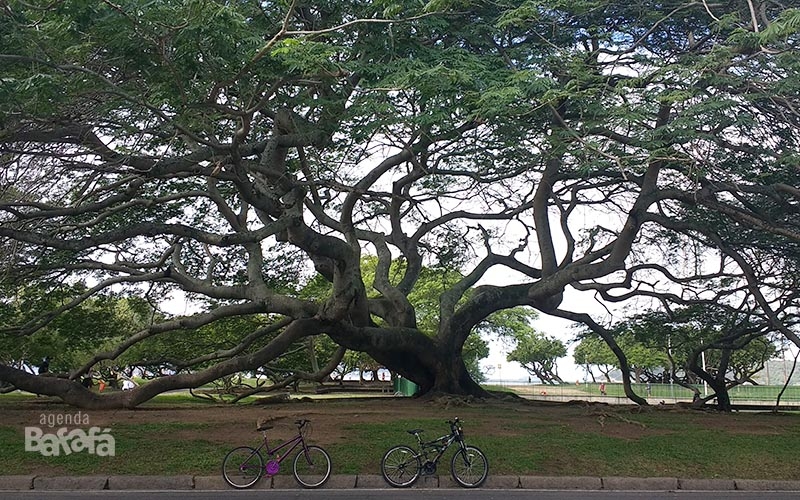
{"x":206,"y":146}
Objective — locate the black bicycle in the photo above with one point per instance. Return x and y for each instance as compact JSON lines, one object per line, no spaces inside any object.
{"x":401,"y":466}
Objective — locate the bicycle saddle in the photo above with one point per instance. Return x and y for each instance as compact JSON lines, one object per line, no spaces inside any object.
{"x":415,"y":431}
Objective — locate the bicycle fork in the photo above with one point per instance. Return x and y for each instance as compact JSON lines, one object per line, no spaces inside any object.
{"x":464,"y":455}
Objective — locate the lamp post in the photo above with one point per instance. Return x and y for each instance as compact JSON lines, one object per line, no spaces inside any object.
{"x":703,"y":359}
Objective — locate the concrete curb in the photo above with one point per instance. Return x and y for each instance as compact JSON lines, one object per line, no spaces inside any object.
{"x":370,"y":481}
{"x":16,"y":482}
{"x":560,"y":483}
{"x":151,"y":483}
{"x":640,"y":483}
{"x":373,"y":481}
{"x":766,"y":485}
{"x":707,"y":484}
{"x":68,"y":483}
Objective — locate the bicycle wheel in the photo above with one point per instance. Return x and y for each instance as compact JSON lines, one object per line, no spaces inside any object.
{"x":400,"y":466}
{"x":242,"y":467}
{"x":469,"y":467}
{"x":312,"y":468}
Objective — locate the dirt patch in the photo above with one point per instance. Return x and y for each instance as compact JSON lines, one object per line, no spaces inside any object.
{"x":235,"y":424}
{"x":330,"y":418}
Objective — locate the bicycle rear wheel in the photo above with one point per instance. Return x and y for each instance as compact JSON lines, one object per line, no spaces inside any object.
{"x":242,"y":467}
{"x":312,"y":467}
{"x":400,"y":466}
{"x":469,"y":467}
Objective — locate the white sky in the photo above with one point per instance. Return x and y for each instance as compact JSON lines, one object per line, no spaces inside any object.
{"x":511,"y":370}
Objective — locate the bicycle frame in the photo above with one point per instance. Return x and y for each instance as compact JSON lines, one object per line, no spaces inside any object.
{"x":310,"y":465}
{"x":295,"y":442}
{"x":271,"y":466}
{"x":440,"y":444}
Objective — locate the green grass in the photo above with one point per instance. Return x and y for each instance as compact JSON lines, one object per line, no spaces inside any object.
{"x":519,"y":440}
{"x":677,"y":446}
{"x":139,"y":449}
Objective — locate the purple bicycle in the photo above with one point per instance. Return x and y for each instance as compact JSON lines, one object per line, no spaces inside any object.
{"x":243,"y":466}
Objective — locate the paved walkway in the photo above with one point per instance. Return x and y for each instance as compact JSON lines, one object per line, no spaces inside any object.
{"x":286,"y":481}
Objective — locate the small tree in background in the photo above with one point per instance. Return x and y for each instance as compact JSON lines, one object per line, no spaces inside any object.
{"x":539,"y":354}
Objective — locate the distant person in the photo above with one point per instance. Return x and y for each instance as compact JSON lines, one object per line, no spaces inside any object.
{"x":603,"y":388}
{"x":649,"y":389}
{"x":45,"y":366}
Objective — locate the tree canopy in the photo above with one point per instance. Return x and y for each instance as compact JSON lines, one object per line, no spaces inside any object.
{"x":538,"y":354}
{"x":233,"y":151}
{"x":668,"y":347}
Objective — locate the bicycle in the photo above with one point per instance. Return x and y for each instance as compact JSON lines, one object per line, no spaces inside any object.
{"x":401,"y":466}
{"x":243,"y":466}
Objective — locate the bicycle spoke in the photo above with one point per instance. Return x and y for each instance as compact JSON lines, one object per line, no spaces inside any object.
{"x":242,"y":467}
{"x":400,"y":466}
{"x":311,"y":469}
{"x":469,"y":467}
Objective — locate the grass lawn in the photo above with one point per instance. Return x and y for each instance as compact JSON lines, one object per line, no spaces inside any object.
{"x":178,"y":435}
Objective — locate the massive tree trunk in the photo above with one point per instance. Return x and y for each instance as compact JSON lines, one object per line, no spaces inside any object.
{"x":452,"y":377}
{"x":428,"y":362}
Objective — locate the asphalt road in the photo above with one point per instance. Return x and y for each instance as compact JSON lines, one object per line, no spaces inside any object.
{"x":413,"y":494}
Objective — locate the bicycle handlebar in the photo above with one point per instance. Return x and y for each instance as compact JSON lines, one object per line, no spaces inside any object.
{"x":455,"y":428}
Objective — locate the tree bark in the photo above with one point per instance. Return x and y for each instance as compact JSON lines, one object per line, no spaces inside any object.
{"x":612,"y":344}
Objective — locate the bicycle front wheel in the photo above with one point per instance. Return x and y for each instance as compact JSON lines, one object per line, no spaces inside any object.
{"x":312,"y":467}
{"x":400,"y":466}
{"x":469,"y":467}
{"x":242,"y":467}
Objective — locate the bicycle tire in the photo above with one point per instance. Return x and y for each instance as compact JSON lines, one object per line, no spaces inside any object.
{"x":313,"y":469}
{"x":400,"y":466}
{"x":469,"y":467}
{"x":242,"y":467}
